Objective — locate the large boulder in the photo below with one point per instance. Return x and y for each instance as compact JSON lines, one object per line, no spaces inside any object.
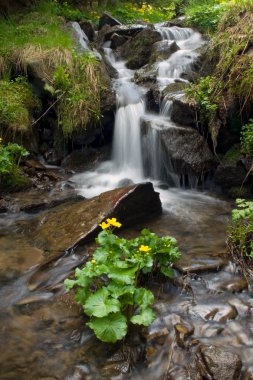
{"x":146,"y":75}
{"x":139,"y":48}
{"x":76,"y":223}
{"x":124,"y":30}
{"x":107,"y":19}
{"x":183,"y":149}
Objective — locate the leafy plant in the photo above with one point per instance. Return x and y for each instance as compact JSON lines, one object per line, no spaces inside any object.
{"x":10,"y":156}
{"x":247,"y":138}
{"x":240,"y":233}
{"x":109,"y":286}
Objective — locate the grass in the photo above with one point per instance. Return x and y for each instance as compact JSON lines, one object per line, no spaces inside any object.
{"x":17,"y":100}
{"x":38,"y":42}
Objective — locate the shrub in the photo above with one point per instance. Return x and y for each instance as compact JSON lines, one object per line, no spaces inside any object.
{"x":109,"y":286}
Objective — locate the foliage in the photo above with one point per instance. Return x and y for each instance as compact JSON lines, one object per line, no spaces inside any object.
{"x":247,"y":138}
{"x":124,"y":11}
{"x":10,"y":156}
{"x":17,"y":100}
{"x":205,"y":16}
{"x":241,"y":230}
{"x":78,"y":93}
{"x":108,"y":287}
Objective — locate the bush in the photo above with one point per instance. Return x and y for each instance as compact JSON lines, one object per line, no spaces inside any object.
{"x":108,"y":287}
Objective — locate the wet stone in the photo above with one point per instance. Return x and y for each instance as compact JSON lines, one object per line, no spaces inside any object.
{"x":221,"y":364}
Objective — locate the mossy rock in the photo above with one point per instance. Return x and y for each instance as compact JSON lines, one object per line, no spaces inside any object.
{"x":139,"y":48}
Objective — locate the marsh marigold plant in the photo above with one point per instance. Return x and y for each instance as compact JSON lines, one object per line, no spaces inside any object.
{"x":108,"y":287}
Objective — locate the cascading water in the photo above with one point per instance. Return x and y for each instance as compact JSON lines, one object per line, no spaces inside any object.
{"x":138,"y":156}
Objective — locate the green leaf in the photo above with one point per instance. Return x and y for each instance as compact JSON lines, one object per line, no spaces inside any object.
{"x":100,"y":255}
{"x":69,"y":284}
{"x":167,"y":271}
{"x":117,"y":290}
{"x":143,"y":297}
{"x":100,"y":304}
{"x":81,"y":295}
{"x":109,"y":329}
{"x":145,"y":318}
{"x":123,"y":276}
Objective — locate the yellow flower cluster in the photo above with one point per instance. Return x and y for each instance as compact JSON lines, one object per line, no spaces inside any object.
{"x":110,"y":223}
{"x":144,"y":248}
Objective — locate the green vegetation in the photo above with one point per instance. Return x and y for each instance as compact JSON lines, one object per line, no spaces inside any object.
{"x":124,"y":11}
{"x":10,"y":156}
{"x":51,"y":56}
{"x":205,"y":15}
{"x":240,"y":237}
{"x":17,"y":100}
{"x":78,"y":92}
{"x":109,"y":286}
{"x":247,"y":139}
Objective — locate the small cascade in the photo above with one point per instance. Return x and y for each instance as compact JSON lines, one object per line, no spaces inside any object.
{"x":138,"y":152}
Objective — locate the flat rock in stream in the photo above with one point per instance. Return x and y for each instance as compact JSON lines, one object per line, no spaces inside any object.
{"x":73,"y":224}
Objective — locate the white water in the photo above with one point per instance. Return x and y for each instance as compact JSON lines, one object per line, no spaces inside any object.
{"x":137,"y":158}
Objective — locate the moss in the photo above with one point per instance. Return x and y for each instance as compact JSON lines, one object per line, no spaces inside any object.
{"x":232,"y":155}
{"x":17,"y":101}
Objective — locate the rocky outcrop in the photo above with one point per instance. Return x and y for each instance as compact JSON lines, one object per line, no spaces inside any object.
{"x":182,"y":111}
{"x":123,"y":30}
{"x":107,"y":19}
{"x":139,"y":48}
{"x":73,"y":224}
{"x":117,"y":40}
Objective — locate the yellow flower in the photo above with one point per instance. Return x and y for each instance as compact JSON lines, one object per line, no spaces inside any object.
{"x":104,"y":225}
{"x":113,"y":222}
{"x":144,"y":248}
{"x":1,"y":140}
{"x":93,"y":262}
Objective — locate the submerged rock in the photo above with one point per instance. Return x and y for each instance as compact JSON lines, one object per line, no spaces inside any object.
{"x":73,"y":224}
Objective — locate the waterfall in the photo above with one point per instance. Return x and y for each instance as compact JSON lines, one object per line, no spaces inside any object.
{"x":136,"y":154}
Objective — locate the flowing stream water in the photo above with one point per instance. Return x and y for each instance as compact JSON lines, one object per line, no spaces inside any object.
{"x":43,"y":334}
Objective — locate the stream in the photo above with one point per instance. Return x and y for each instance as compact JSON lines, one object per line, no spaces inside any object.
{"x":43,"y":333}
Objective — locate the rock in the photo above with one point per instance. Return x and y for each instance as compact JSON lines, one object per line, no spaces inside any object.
{"x":123,"y":30}
{"x":179,"y":21}
{"x":107,"y":19}
{"x":230,"y":175}
{"x":139,"y":48}
{"x":146,"y":75}
{"x":117,"y":40}
{"x":220,"y":363}
{"x":85,"y":159}
{"x":182,"y":111}
{"x":153,"y":99}
{"x":74,"y":224}
{"x":88,"y":28}
{"x":183,"y":147}
{"x":162,"y":50}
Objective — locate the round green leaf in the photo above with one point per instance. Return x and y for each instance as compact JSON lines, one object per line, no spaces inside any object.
{"x":101,"y":304}
{"x":109,"y":329}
